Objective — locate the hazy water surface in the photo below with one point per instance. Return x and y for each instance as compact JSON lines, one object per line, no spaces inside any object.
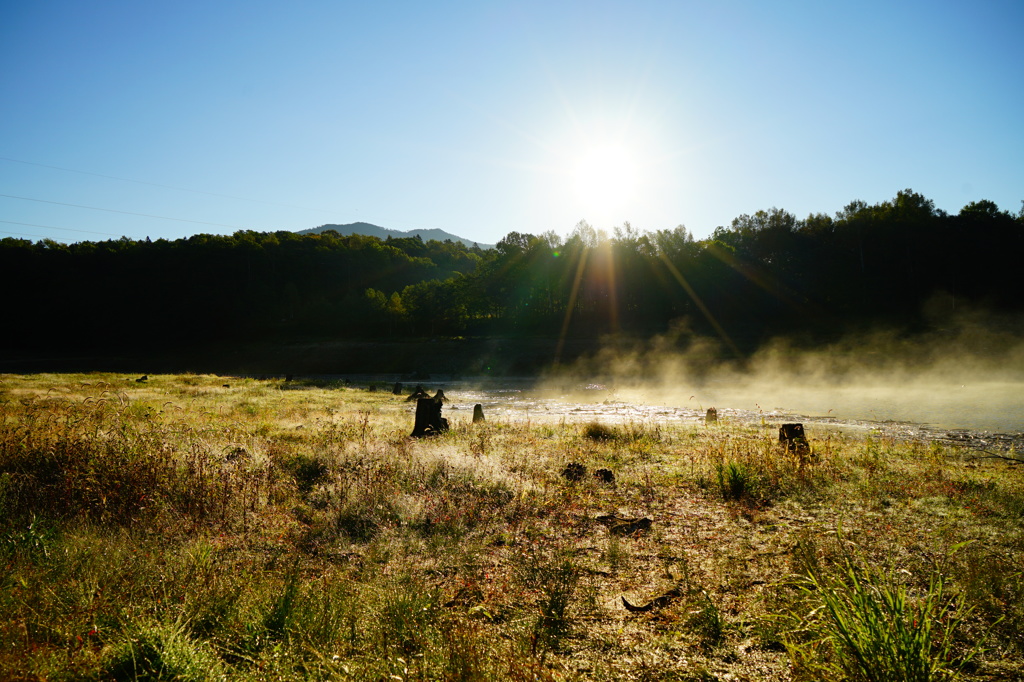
{"x":985,"y":406}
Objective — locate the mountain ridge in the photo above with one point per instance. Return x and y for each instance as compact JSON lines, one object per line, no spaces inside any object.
{"x":372,"y":230}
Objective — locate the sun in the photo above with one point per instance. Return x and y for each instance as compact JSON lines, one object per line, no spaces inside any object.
{"x":605,"y":180}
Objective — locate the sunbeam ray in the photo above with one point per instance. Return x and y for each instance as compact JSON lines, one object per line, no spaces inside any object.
{"x":700,"y":305}
{"x":577,"y":279}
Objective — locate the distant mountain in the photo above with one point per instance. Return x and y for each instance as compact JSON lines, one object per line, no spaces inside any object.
{"x":384,"y":233}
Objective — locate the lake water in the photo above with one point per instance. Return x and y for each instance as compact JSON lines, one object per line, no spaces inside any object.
{"x":931,"y":411}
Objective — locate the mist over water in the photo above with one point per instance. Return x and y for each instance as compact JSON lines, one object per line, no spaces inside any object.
{"x":968,"y":375}
{"x":986,"y":406}
{"x":982,"y":406}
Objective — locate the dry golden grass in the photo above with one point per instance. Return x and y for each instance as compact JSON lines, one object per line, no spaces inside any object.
{"x":193,"y":527}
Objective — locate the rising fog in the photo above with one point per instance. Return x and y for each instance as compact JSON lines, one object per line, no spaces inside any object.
{"x":968,"y":373}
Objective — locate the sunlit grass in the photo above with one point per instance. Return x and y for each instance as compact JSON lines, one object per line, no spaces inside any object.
{"x":188,"y":527}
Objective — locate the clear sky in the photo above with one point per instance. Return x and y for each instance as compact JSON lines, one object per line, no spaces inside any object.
{"x":481,"y":118}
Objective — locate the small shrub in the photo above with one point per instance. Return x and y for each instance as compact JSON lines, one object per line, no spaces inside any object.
{"x":599,"y":432}
{"x":161,"y":652}
{"x":308,"y":471}
{"x":707,"y":620}
{"x":357,"y":523}
{"x":735,"y":481}
{"x":469,"y":654}
{"x":277,"y":619}
{"x":867,"y":627}
{"x":615,"y":554}
{"x":407,"y":617}
{"x":30,"y":542}
{"x":554,"y":581}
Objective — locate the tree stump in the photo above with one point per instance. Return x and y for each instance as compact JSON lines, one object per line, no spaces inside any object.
{"x":429,"y":421}
{"x":397,"y":390}
{"x":478,"y":413}
{"x":712,"y":416}
{"x":791,"y":437}
{"x":618,"y":525}
{"x":417,"y":394}
{"x":574,"y":471}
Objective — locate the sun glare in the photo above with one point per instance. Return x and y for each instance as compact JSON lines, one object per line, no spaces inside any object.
{"x":605,"y":180}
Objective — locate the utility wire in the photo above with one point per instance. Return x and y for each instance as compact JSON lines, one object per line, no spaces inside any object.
{"x":31,"y":234}
{"x":156,"y":184}
{"x":168,"y":186}
{"x":51,"y":227}
{"x":114,"y":210}
{"x":408,"y":226}
{"x":24,"y":234}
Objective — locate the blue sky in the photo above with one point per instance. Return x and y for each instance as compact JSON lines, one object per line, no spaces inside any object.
{"x":483,"y":118}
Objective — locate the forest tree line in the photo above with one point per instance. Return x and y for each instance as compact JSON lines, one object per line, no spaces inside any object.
{"x":900,"y":262}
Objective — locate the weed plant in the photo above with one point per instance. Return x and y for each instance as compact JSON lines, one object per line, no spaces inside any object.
{"x":868,"y":626}
{"x":192,"y":527}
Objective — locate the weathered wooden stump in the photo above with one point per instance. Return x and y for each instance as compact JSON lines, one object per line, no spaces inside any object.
{"x":574,"y":471}
{"x":792,"y":437}
{"x":619,"y":525}
{"x":657,"y":602}
{"x":397,"y":390}
{"x":478,"y":413}
{"x":429,"y":421}
{"x":418,"y":394}
{"x":712,"y":416}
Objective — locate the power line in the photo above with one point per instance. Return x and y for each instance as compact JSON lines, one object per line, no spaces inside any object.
{"x":156,"y":184}
{"x":400,"y":224}
{"x":23,"y":234}
{"x":52,"y":227}
{"x":32,"y":234}
{"x":114,"y":210}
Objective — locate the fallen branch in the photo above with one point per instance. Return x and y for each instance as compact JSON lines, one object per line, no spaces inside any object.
{"x":992,"y":455}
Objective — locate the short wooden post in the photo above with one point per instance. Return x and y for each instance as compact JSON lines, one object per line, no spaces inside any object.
{"x":429,"y":421}
{"x":417,"y":394}
{"x":574,"y":471}
{"x":478,"y":413}
{"x":712,"y":416}
{"x":792,"y":437}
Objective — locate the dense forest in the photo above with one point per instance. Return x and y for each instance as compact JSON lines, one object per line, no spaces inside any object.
{"x":899,"y":263}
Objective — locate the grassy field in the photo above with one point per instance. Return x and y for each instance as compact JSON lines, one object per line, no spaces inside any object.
{"x":198,"y":527}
